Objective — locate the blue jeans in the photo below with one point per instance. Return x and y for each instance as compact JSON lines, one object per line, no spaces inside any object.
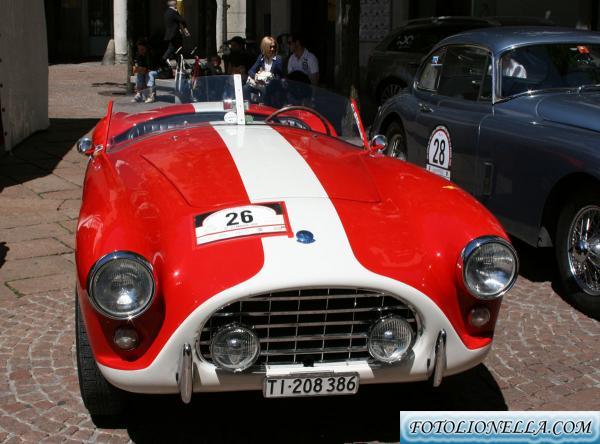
{"x":148,"y":80}
{"x":152,"y":80}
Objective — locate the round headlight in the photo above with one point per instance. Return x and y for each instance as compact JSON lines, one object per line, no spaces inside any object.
{"x":121,"y":285}
{"x":235,"y":348}
{"x":490,"y":267}
{"x":390,"y":339}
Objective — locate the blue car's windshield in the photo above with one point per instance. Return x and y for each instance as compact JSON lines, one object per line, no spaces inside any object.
{"x":549,"y":66}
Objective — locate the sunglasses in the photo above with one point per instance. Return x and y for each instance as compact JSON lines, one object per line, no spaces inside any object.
{"x":273,"y":46}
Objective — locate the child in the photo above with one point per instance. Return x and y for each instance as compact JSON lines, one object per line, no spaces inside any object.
{"x":215,"y":62}
{"x":145,"y":76}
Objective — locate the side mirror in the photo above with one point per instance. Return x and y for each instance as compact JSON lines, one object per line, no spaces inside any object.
{"x":378,"y":144}
{"x":85,"y":146}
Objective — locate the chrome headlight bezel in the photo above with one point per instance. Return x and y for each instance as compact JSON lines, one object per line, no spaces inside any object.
{"x":99,"y":266}
{"x":409,"y":347}
{"x":468,"y":252}
{"x":229,"y":328}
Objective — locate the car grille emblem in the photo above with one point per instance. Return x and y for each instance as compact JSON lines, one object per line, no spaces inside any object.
{"x":305,"y":237}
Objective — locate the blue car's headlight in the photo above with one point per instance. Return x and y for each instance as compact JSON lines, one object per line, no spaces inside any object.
{"x":490,"y":267}
{"x":121,"y":285}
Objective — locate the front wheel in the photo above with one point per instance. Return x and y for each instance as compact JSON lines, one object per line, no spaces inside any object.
{"x":99,"y":396}
{"x":578,"y":252}
{"x":389,"y":90}
{"x":396,"y":146}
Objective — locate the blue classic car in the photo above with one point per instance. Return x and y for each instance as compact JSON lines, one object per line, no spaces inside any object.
{"x":512,"y":115}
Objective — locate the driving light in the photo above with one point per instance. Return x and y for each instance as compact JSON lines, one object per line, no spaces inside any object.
{"x":235,"y":348}
{"x":121,"y":285}
{"x":479,"y":316}
{"x":490,"y":267}
{"x":390,"y":339}
{"x":126,"y":338}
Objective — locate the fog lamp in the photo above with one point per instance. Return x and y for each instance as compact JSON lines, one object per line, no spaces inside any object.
{"x":126,"y":338}
{"x":235,"y":348}
{"x":479,"y":316}
{"x":390,"y":338}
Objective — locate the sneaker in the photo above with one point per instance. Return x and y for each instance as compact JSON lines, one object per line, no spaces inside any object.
{"x":138,"y":98}
{"x":151,"y":98}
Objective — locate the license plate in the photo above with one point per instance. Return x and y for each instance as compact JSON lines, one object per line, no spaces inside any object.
{"x":311,"y":385}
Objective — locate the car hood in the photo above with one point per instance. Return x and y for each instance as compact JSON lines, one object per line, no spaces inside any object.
{"x":198,"y":163}
{"x":580,"y":110}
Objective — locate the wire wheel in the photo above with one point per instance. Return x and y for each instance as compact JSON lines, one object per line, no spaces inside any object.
{"x":584,"y":249}
{"x":396,"y":146}
{"x":389,"y":91}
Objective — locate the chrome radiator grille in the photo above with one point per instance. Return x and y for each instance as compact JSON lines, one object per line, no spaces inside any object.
{"x":308,"y":326}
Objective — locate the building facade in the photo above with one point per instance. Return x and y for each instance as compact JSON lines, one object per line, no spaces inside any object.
{"x":23,"y":72}
{"x":341,"y":33}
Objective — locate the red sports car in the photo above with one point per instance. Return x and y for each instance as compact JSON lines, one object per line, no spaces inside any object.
{"x":260,"y":242}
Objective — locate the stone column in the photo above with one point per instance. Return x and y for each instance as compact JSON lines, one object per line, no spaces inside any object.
{"x":236,"y":18}
{"x":120,"y":30}
{"x":221,"y":23}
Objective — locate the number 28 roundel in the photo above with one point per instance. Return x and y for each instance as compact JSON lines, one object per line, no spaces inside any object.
{"x":439,"y":152}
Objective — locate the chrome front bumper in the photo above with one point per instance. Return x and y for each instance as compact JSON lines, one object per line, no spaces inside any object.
{"x":185,"y":374}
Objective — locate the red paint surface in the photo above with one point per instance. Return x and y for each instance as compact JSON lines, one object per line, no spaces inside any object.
{"x":415,"y":233}
{"x":128,"y":204}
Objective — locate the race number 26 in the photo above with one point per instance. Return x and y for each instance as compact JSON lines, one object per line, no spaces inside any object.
{"x":235,"y":218}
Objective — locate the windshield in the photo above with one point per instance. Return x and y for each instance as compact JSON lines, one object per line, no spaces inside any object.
{"x":226,"y":100}
{"x":550,"y":66}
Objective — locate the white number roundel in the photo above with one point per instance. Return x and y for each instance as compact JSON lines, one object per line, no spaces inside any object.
{"x":439,"y":148}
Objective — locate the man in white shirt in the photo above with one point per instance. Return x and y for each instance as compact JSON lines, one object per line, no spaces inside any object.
{"x":301,"y":59}
{"x":512,"y":68}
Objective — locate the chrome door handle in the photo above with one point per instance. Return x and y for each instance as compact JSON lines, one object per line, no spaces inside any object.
{"x":424,"y":108}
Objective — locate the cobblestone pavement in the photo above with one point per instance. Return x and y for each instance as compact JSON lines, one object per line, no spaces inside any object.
{"x":545,"y":354}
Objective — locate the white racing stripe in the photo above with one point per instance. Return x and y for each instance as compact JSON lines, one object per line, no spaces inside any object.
{"x":269,"y":166}
{"x":272,"y":170}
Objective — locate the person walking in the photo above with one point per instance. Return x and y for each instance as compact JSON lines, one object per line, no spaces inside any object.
{"x":301,"y":59}
{"x":175,"y":26}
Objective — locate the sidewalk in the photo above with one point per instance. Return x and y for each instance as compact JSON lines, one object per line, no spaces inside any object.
{"x":40,"y":195}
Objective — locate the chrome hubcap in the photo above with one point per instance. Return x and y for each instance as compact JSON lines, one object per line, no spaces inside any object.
{"x":584,"y":249}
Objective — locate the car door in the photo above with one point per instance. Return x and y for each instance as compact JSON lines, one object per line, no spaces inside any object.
{"x":454,"y":95}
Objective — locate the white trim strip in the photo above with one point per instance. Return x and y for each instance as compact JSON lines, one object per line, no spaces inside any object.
{"x":239,"y":99}
{"x":203,"y":107}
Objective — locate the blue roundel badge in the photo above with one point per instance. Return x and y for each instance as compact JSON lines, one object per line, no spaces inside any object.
{"x":305,"y":237}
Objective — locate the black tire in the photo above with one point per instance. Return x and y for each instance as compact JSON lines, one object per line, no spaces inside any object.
{"x":396,"y":141}
{"x":577,"y":251}
{"x":100,"y":398}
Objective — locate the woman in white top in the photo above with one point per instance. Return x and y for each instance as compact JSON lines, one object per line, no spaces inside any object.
{"x":267,"y":62}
